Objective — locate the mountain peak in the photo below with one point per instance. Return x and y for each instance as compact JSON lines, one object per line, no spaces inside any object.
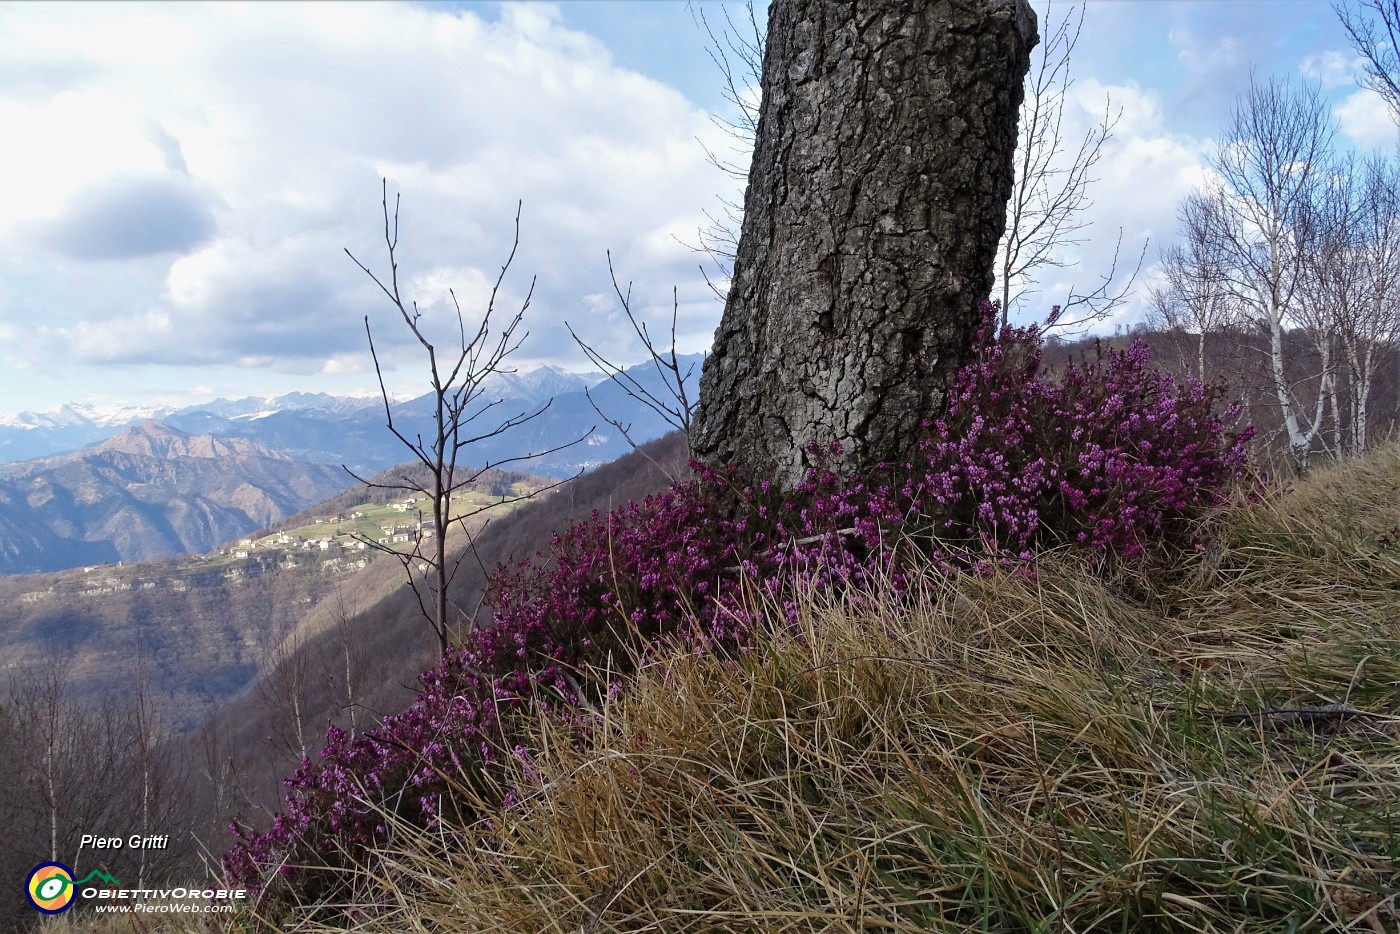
{"x":152,"y":438}
{"x":546,"y":381}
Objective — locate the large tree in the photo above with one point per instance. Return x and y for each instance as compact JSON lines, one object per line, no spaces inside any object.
{"x":875,"y":202}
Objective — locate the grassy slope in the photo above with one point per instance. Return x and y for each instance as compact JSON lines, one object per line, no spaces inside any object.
{"x":1211,"y":747}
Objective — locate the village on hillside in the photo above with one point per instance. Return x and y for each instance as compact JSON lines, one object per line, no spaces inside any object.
{"x":334,"y":543}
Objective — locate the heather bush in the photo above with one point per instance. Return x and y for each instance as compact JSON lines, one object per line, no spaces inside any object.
{"x":1109,"y":454}
{"x":984,"y":753}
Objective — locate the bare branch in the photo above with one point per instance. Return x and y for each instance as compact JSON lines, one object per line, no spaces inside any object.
{"x":678,"y":409}
{"x":1082,"y":309}
{"x":737,"y":51}
{"x":458,"y":388}
{"x":1050,"y":195}
{"x":1380,"y":47}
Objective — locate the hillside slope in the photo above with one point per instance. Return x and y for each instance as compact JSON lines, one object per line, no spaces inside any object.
{"x":200,"y":626}
{"x":372,"y":623}
{"x":1205,"y":744}
{"x":150,"y":491}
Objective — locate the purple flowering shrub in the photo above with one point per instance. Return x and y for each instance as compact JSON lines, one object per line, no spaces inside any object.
{"x":1110,"y":454}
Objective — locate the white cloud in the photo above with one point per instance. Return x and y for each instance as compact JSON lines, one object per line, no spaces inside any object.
{"x":342,"y":364}
{"x":1201,"y":55}
{"x":1331,"y":69}
{"x":1365,"y":118}
{"x":285,"y":117}
{"x":73,"y":140}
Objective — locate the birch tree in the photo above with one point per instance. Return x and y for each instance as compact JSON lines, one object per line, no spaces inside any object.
{"x":1360,"y":266}
{"x":1196,"y":298}
{"x":1270,"y":161}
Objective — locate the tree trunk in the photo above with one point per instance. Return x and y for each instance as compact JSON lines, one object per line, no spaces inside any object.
{"x":875,"y":203}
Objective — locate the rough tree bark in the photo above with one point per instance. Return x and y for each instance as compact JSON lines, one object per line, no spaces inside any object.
{"x":875,"y":203}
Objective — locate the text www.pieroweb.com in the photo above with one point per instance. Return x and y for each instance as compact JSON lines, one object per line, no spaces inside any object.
{"x":145,"y":908}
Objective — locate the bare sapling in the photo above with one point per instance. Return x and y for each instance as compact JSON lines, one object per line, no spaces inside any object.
{"x":464,"y":414}
{"x":1046,"y":216}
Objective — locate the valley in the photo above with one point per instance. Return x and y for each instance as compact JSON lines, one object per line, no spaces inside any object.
{"x":199,"y":628}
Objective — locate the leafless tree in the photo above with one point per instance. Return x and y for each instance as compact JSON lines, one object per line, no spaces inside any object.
{"x":1379,"y":45}
{"x":63,"y":772}
{"x":145,"y":739}
{"x":1196,"y":297}
{"x":44,"y":706}
{"x":673,"y":402}
{"x":1372,"y":333}
{"x":350,"y":657}
{"x":1331,"y":283}
{"x":1270,"y":161}
{"x":1046,"y":215}
{"x":282,"y":690}
{"x":460,"y":401}
{"x":216,"y":767}
{"x":737,"y":50}
{"x":71,"y":769}
{"x":1354,"y":269}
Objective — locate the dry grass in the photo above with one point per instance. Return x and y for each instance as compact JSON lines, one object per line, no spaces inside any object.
{"x":1211,"y":749}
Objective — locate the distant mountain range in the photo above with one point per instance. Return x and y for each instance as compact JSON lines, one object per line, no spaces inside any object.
{"x":150,"y":490}
{"x":144,"y":483}
{"x":318,"y":428}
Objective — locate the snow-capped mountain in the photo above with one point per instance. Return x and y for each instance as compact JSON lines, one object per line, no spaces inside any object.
{"x":26,"y":435}
{"x":260,"y":406}
{"x":324,"y":429}
{"x":537,"y":385}
{"x":83,"y":414}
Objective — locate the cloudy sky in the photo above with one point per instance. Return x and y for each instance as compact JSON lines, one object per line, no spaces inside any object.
{"x":179,"y":182}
